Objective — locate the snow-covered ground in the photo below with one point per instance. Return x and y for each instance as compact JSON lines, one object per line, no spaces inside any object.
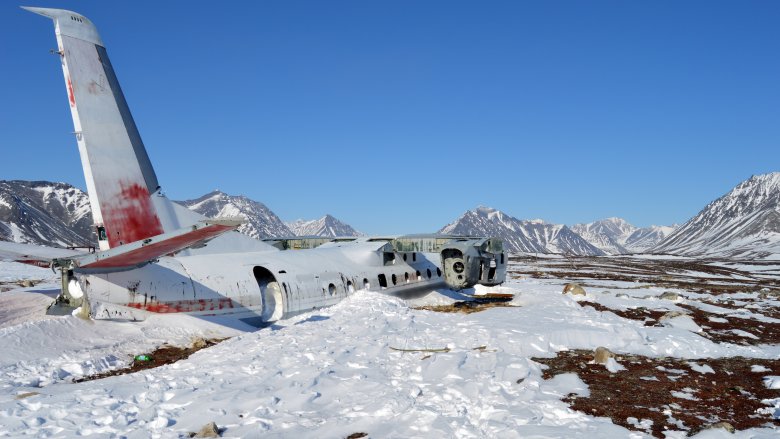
{"x":332,"y":373}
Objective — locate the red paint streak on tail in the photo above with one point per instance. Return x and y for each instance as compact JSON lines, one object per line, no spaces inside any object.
{"x":71,"y":96}
{"x":185,"y":305}
{"x":130,"y":216}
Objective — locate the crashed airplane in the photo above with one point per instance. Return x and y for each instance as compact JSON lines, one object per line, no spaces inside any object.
{"x":156,"y":256}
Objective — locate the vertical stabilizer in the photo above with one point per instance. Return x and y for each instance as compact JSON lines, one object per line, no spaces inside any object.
{"x":120,"y":179}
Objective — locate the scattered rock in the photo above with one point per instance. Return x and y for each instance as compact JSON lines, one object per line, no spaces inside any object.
{"x":26,"y":395}
{"x":766,"y":293}
{"x":573,"y":289}
{"x":208,"y":430}
{"x":672,"y":314}
{"x":724,"y":425}
{"x":621,"y":295}
{"x":668,"y":295}
{"x":199,"y":343}
{"x":26,"y":283}
{"x":602,"y":355}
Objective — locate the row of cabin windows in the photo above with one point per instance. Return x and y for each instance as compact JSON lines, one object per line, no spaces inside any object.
{"x":414,"y":257}
{"x":383,"y":279}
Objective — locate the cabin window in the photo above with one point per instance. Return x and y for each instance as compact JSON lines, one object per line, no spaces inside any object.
{"x":502,"y":259}
{"x":366,"y":284}
{"x":414,"y":257}
{"x":404,"y":257}
{"x":419,"y":276}
{"x":350,"y":287}
{"x":382,"y":280}
{"x":429,"y":273}
{"x":406,"y":277}
{"x":438,"y":271}
{"x":332,"y":289}
{"x":395,"y":279}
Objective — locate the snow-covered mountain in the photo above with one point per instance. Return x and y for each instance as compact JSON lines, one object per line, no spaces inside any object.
{"x":534,"y":236}
{"x":616,"y":236}
{"x":610,"y":234}
{"x":743,"y":223}
{"x":261,"y":221}
{"x":647,"y":237}
{"x":325,"y":226}
{"x":45,"y":213}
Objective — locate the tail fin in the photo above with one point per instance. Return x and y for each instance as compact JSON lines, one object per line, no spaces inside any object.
{"x":120,"y":178}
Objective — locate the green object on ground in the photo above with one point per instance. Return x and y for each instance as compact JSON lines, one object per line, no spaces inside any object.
{"x":143,"y":357}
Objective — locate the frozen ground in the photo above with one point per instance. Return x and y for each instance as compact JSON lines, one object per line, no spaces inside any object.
{"x":332,"y":373}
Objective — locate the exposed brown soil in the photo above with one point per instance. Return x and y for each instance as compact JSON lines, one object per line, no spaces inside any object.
{"x":357,"y":435}
{"x":701,"y":276}
{"x":465,"y":307}
{"x":649,"y":316}
{"x":165,"y":354}
{"x":733,"y":393}
{"x":717,"y":331}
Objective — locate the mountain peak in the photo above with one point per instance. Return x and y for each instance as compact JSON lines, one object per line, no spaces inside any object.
{"x":741,"y":223}
{"x":327,"y":226}
{"x":534,"y":236}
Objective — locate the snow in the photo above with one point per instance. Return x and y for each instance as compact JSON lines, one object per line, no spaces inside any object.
{"x":772,"y":382}
{"x":328,"y":373}
{"x":701,"y":368}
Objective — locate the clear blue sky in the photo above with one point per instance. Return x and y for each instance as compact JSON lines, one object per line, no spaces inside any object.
{"x":397,"y":116}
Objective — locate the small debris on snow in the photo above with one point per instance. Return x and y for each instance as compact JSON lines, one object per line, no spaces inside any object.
{"x":668,"y":295}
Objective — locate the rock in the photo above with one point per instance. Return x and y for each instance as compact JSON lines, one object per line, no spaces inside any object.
{"x":573,"y":289}
{"x":208,"y":430}
{"x":724,"y":425}
{"x":668,"y":295}
{"x":602,"y":355}
{"x":766,"y":293}
{"x":672,"y":314}
{"x":199,"y":343}
{"x":621,"y":295}
{"x":26,"y":283}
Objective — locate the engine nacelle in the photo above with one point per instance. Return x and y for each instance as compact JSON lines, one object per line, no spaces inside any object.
{"x":467,"y":262}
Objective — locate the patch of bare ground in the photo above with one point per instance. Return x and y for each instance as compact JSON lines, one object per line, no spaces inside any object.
{"x":476,"y":303}
{"x":650,"y":317}
{"x":716,"y":327}
{"x":165,"y":354}
{"x":464,"y":307}
{"x":669,"y":392}
{"x":720,"y":328}
{"x":702,"y":276}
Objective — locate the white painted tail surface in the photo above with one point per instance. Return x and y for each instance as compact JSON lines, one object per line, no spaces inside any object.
{"x":125,"y":196}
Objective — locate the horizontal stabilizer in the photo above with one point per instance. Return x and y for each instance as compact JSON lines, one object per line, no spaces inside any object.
{"x":33,"y":254}
{"x":139,"y":253}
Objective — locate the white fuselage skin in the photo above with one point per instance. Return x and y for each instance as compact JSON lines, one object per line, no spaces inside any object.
{"x":228,"y":283}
